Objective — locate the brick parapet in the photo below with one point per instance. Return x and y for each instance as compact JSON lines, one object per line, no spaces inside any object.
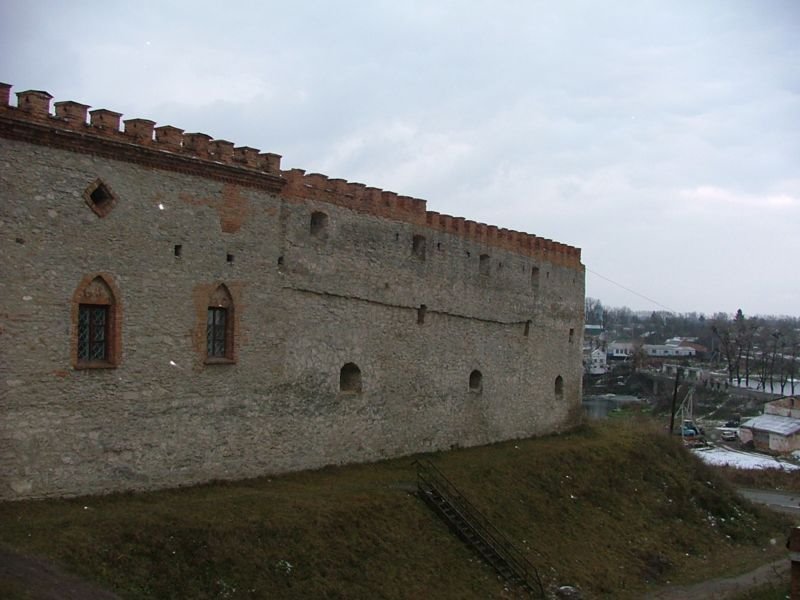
{"x":170,"y":148}
{"x":139,"y":141}
{"x":358,"y":197}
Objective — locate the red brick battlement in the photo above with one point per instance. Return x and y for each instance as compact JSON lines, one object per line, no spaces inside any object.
{"x":171,"y":148}
{"x":357,"y":196}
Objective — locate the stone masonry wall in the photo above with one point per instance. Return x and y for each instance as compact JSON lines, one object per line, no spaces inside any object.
{"x":304,"y":305}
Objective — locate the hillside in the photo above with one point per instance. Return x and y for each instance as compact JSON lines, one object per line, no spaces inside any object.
{"x":614,"y":510}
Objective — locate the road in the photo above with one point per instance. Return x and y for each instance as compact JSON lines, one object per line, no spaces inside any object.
{"x":788,"y":502}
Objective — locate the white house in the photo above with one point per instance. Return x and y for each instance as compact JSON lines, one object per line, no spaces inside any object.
{"x":620,"y":350}
{"x":664,"y":350}
{"x":596,"y":362}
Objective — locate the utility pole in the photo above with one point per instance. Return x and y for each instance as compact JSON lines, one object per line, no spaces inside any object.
{"x":674,"y":400}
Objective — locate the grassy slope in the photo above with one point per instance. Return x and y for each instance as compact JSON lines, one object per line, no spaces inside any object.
{"x":606,"y":508}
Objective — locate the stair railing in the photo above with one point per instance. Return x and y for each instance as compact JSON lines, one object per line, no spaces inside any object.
{"x":430,"y":478}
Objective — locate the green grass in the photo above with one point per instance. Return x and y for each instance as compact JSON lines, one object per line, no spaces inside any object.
{"x":613,"y":509}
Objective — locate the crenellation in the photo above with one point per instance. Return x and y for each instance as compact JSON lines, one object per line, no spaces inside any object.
{"x":392,"y":199}
{"x":141,"y":130}
{"x":35,"y":105}
{"x":5,"y":95}
{"x":221,"y":151}
{"x":271,"y":162}
{"x":169,"y":137}
{"x":317,"y":181}
{"x":356,"y":192}
{"x":74,"y":113}
{"x":247,"y":156}
{"x":372,"y":198}
{"x":105,"y":120}
{"x":197,"y":144}
{"x":34,"y":102}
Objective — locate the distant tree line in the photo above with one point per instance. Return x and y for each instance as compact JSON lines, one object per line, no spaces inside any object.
{"x":764,"y":349}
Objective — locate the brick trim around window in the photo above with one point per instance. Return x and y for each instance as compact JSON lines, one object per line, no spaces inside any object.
{"x":98,"y":294}
{"x":215,"y":345}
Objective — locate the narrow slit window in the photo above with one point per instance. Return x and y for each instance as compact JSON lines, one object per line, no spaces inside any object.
{"x":485,"y":264}
{"x":421,"y":311}
{"x":178,"y":250}
{"x":418,"y":247}
{"x":559,"y":387}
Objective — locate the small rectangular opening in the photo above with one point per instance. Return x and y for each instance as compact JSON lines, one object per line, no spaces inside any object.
{"x":527,"y":328}
{"x":229,"y":258}
{"x":178,"y":250}
{"x":485,"y":265}
{"x":421,"y":314}
{"x":571,"y":335}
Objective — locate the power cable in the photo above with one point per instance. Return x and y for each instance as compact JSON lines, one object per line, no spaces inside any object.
{"x":635,"y":293}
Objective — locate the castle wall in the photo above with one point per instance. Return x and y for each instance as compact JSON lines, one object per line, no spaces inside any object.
{"x":304,"y":305}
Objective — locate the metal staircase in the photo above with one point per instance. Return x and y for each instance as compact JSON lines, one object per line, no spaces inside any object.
{"x":476,"y":530}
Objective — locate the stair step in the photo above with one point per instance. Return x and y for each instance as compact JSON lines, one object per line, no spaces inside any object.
{"x":461,"y":520}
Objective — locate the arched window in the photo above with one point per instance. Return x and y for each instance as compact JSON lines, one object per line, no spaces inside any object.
{"x":219,"y":326}
{"x":96,"y":319}
{"x":475,"y":381}
{"x":559,"y":388}
{"x":350,"y":378}
{"x":318,"y":224}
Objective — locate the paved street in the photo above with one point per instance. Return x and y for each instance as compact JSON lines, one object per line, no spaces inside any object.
{"x":788,"y":502}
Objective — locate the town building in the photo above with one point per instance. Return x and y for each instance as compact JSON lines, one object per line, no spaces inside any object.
{"x":777,"y":429}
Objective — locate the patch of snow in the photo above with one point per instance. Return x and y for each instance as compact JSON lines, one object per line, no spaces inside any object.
{"x":723,"y":457}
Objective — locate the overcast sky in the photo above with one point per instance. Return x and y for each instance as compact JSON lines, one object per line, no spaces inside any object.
{"x":662,"y":138}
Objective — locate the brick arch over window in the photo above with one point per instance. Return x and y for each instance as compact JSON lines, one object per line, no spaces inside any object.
{"x":224,"y":335}
{"x":96,"y":323}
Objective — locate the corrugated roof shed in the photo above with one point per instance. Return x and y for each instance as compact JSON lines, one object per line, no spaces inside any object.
{"x":774,"y":424}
